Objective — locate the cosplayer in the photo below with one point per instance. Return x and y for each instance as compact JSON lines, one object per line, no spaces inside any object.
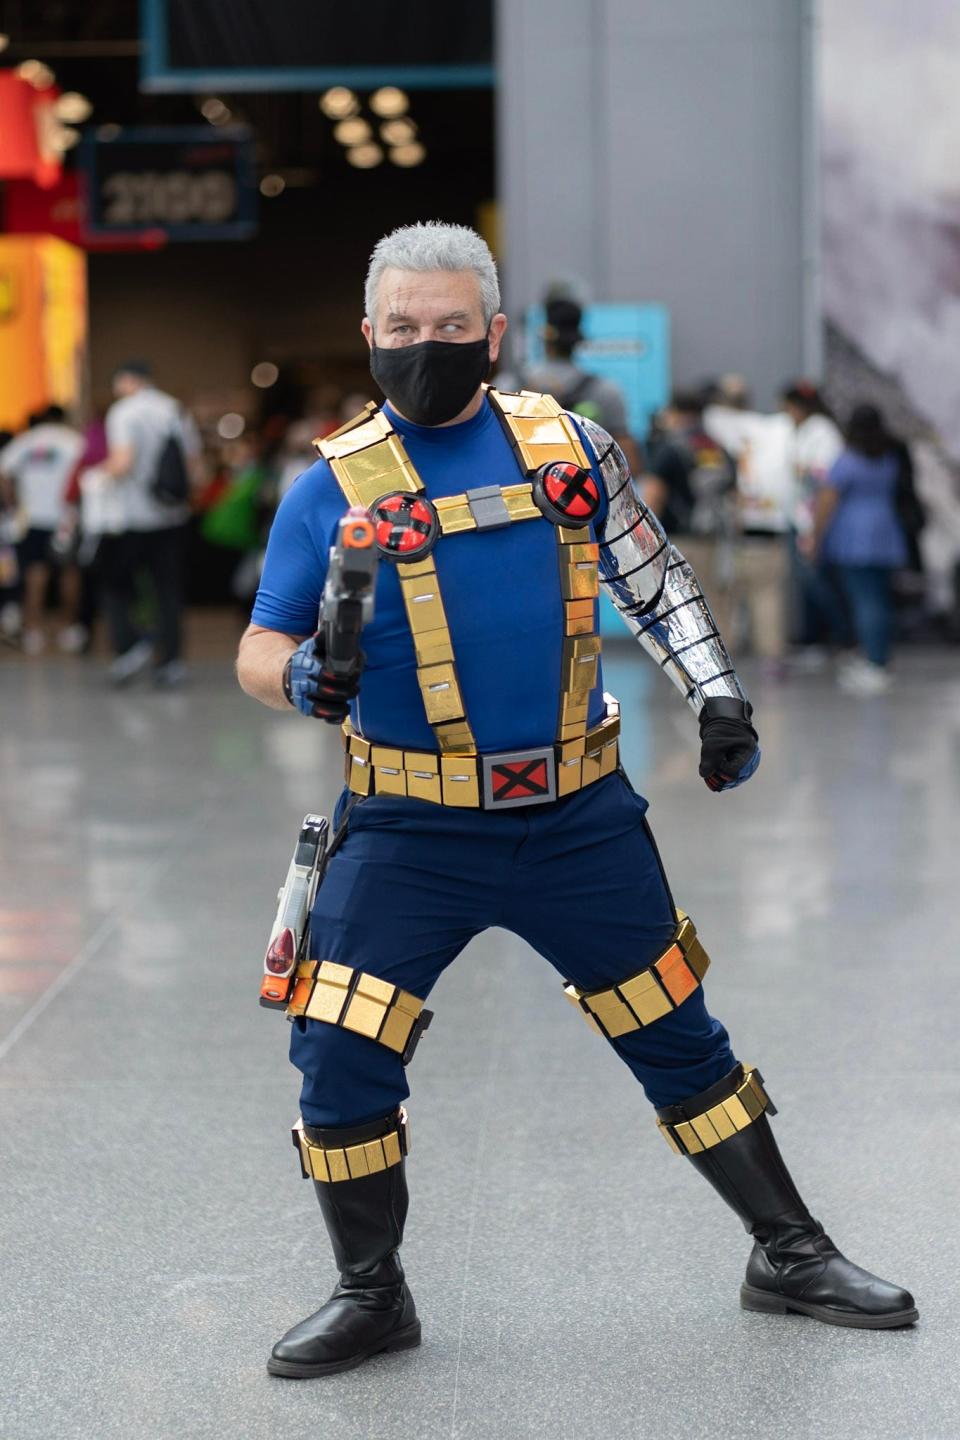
{"x":484,"y":788}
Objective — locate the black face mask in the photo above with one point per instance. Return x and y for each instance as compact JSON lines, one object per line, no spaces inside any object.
{"x":432,"y":381}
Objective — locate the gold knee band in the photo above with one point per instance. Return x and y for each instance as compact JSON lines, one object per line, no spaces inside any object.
{"x":352,"y":1162}
{"x":650,"y":994}
{"x":339,"y":995}
{"x":719,"y":1122}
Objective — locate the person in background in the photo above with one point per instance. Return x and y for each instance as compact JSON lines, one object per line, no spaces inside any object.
{"x":692,"y":486}
{"x":559,"y":375}
{"x":34,"y":471}
{"x":821,"y":617}
{"x":857,"y":530}
{"x":762,"y":446}
{"x":139,"y":425}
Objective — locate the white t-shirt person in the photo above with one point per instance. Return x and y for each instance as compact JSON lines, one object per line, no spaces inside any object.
{"x":40,"y":462}
{"x":141,"y":423}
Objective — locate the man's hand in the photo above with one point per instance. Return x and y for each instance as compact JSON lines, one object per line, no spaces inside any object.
{"x":312,"y":689}
{"x":729,"y":752}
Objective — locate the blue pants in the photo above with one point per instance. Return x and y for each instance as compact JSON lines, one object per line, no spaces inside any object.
{"x":580,"y":880}
{"x":870,"y":592}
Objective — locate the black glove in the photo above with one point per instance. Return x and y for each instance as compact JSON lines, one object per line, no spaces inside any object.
{"x":729,"y":752}
{"x":312,"y":689}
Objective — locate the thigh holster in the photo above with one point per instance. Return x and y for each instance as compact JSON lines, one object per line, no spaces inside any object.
{"x":645,"y":997}
{"x":331,"y":1156}
{"x":705,"y":1120}
{"x":338,"y":995}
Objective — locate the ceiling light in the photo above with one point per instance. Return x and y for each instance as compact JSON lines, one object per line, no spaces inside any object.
{"x":408,"y":155}
{"x":63,"y":138}
{"x":264,"y":375}
{"x":398,"y":132}
{"x":4,"y":42}
{"x":339,"y":102}
{"x":272,"y":186}
{"x":231,"y":426}
{"x":351,"y":132}
{"x":73,"y":107}
{"x":216,"y":111}
{"x":40,"y":76}
{"x":388,"y":101}
{"x":364,"y":157}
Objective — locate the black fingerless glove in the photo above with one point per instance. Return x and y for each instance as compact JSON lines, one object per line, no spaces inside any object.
{"x":729,"y":749}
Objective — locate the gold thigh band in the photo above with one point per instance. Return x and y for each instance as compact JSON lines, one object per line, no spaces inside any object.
{"x":339,"y":995}
{"x":746,"y":1104}
{"x":650,"y":994}
{"x":352,"y":1162}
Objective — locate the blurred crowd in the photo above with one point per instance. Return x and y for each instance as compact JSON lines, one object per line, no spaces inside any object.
{"x":805,"y":528}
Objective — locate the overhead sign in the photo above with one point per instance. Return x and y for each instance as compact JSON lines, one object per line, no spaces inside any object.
{"x":195,"y":45}
{"x":629,"y":344}
{"x":187,"y":182}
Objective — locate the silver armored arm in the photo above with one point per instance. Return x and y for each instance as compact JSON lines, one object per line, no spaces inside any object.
{"x":654,"y":588}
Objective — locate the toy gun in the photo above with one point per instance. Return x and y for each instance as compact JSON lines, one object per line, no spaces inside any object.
{"x":289,"y":937}
{"x":348,"y":594}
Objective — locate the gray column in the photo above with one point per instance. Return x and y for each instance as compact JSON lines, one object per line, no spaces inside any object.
{"x":660,"y":150}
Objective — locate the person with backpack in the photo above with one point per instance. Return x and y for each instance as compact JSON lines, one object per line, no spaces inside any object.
{"x":558,"y":374}
{"x":152,"y":448}
{"x":696,"y":498}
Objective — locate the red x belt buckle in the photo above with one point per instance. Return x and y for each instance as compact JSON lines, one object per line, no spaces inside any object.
{"x":519,"y":777}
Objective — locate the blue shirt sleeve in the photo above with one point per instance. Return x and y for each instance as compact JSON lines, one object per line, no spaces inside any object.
{"x":298,"y":550}
{"x":838,"y":476}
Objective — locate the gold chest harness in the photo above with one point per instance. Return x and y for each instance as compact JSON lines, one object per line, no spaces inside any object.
{"x":372,"y":468}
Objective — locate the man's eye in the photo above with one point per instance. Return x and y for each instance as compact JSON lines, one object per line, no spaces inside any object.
{"x":401,"y":329}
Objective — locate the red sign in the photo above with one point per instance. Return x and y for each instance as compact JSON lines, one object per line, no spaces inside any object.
{"x":61,"y":210}
{"x":27,"y":127}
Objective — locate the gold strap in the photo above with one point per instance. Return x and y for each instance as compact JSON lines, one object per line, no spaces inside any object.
{"x":352,"y":1162}
{"x":368,"y":460}
{"x":436,"y":670}
{"x":457,"y":514}
{"x":746,"y":1104}
{"x":354,"y":1000}
{"x":540,"y":431}
{"x":650,"y":994}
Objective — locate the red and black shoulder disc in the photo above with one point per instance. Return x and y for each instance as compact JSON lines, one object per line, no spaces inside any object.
{"x":407,"y":525}
{"x":566,"y":493}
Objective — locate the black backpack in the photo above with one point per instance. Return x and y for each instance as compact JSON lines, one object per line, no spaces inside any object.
{"x":170,"y":484}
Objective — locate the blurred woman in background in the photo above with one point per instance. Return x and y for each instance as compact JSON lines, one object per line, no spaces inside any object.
{"x":857,"y":529}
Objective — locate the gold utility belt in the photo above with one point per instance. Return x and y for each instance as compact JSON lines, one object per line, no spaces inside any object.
{"x":371,"y":466}
{"x":496,"y":781}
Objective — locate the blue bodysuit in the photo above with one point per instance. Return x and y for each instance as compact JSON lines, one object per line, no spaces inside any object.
{"x":579,"y":878}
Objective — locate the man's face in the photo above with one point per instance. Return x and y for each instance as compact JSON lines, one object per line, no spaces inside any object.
{"x":432,"y":305}
{"x":124,"y":383}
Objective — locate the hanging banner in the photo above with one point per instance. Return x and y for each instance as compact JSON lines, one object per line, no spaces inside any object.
{"x":198,"y":45}
{"x":27,"y":129}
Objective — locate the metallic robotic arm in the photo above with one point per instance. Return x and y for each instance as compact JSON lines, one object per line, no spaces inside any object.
{"x":654,"y":588}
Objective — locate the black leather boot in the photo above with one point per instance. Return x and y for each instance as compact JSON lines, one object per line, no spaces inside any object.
{"x":371,"y":1310}
{"x":794,"y":1267}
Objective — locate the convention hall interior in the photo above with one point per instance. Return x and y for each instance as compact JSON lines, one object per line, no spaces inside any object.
{"x":720,"y":248}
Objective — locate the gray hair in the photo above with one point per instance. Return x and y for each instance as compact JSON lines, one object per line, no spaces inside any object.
{"x":434,"y":246}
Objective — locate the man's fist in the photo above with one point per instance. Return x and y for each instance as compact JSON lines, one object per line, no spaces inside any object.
{"x":729,"y":752}
{"x":312,"y":689}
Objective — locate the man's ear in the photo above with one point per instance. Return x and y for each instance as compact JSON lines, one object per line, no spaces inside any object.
{"x":495,"y":335}
{"x":367,"y":329}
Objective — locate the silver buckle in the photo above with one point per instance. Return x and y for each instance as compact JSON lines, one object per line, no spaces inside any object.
{"x":519,"y":777}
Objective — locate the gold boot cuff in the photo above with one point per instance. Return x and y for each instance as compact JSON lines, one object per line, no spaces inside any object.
{"x":354,"y":1000}
{"x":352,"y":1162}
{"x":651,"y":993}
{"x":719,"y":1122}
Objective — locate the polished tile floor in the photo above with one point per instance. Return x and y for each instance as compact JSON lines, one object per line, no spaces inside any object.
{"x":575,"y":1279}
